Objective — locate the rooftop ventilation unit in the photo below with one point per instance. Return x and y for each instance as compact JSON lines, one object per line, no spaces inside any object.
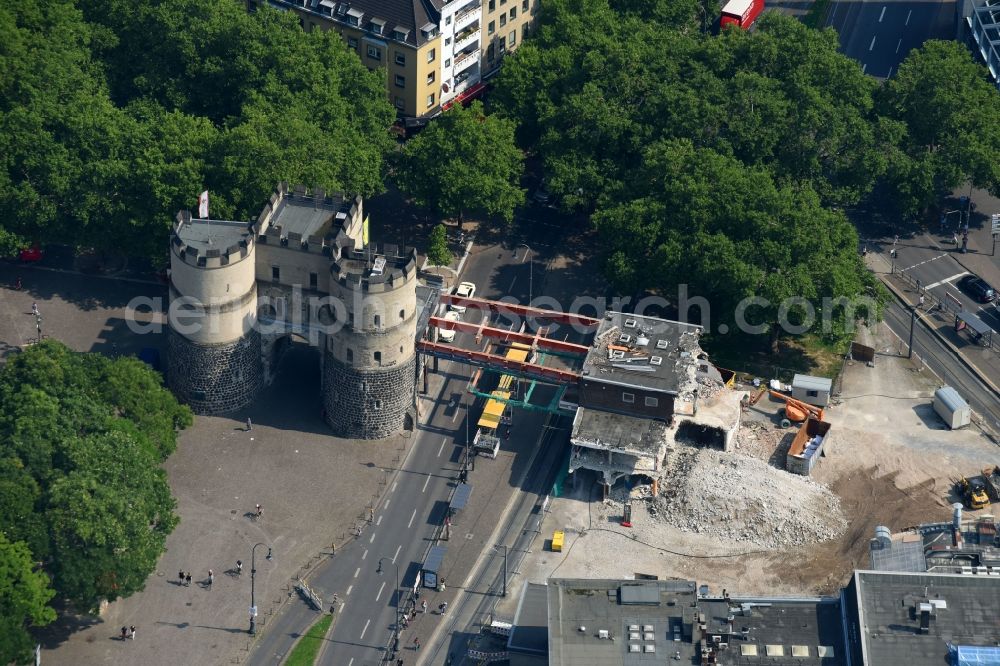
{"x":633,"y":627}
{"x":656,"y":360}
{"x":661,"y":344}
{"x":649,"y":636}
{"x":631,"y":323}
{"x":649,"y":648}
{"x":642,"y":341}
{"x":624,"y":337}
{"x":617,"y":353}
{"x":634,"y":647}
{"x":633,"y":635}
{"x":603,"y":633}
{"x":647,"y":627}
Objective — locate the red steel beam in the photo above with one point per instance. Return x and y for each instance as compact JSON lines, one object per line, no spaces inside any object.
{"x":497,"y":362}
{"x":520,"y":310}
{"x":508,"y":336}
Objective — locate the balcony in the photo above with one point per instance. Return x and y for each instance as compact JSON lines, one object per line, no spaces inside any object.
{"x":463,"y":60}
{"x":467,"y":38}
{"x":465,"y":17}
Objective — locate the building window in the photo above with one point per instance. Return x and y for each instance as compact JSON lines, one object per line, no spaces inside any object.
{"x":350,"y":355}
{"x":447,"y":63}
{"x":401,"y":35}
{"x":513,"y":37}
{"x":378,"y":357}
{"x":524,"y":7}
{"x":352,"y":43}
{"x":378,"y":323}
{"x":503,"y":2}
{"x":400,"y":58}
{"x":503,"y":20}
{"x":447,"y":42}
{"x":378,"y":403}
{"x":313,"y":280}
{"x":400,"y":104}
{"x":652,"y":402}
{"x":430,"y":100}
{"x":402,"y":315}
{"x":491,"y":28}
{"x":490,"y":52}
{"x":377,"y":27}
{"x":447,"y":20}
{"x":400,"y":81}
{"x":503,"y":44}
{"x":628,"y":397}
{"x":430,"y":78}
{"x":513,"y":13}
{"x":812,"y":394}
{"x":275,"y":273}
{"x":431,"y":55}
{"x":493,"y":5}
{"x":374,"y":53}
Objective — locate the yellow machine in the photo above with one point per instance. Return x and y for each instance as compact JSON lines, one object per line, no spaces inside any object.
{"x":974,"y":492}
{"x":796,"y":410}
{"x":557,"y":541}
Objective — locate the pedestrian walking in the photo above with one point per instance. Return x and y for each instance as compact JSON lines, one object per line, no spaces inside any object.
{"x":416,"y":643}
{"x":423,"y":606}
{"x":954,"y":238}
{"x":239,"y":567}
{"x":443,"y":608}
{"x":211,"y":577}
{"x":921,"y":302}
{"x":413,"y":614}
{"x":180,"y":575}
{"x":131,"y":632}
{"x":260,"y":511}
{"x":18,"y":285}
{"x":249,"y":425}
{"x":188,"y":578}
{"x":895,"y":239}
{"x":34,"y":309}
{"x":124,"y":633}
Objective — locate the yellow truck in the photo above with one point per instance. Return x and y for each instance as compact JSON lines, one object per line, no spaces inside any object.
{"x":557,"y":541}
{"x":973,"y":492}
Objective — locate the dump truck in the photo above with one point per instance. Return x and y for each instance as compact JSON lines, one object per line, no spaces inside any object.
{"x":973,"y":491}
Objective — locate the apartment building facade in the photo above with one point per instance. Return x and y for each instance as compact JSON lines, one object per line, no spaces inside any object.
{"x":435,"y":52}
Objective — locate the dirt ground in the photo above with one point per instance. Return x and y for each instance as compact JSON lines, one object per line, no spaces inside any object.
{"x":889,"y":459}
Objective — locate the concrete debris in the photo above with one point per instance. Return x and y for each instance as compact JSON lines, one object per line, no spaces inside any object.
{"x":744,"y":500}
{"x":762,"y":440}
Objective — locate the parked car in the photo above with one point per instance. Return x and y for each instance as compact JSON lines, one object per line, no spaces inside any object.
{"x":31,"y":254}
{"x":446,"y":335}
{"x":978,"y":289}
{"x":463,"y":290}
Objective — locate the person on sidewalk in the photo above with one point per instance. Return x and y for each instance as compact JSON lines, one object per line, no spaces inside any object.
{"x":187,"y":578}
{"x":239,"y":567}
{"x":920,"y":303}
{"x":211,"y":578}
{"x":249,"y":425}
{"x":423,"y":606}
{"x":416,"y":642}
{"x":124,"y":633}
{"x":131,"y":632}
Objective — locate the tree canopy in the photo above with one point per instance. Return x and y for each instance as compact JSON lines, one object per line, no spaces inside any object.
{"x":464,"y":161}
{"x":81,"y":442}
{"x":24,"y":597}
{"x":438,"y":252}
{"x":114,"y":114}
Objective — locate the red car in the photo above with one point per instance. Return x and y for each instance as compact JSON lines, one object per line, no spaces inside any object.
{"x":31,"y":254}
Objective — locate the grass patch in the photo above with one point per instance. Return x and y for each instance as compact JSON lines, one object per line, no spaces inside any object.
{"x":816,"y":16}
{"x":305,"y":651}
{"x":807,"y":354}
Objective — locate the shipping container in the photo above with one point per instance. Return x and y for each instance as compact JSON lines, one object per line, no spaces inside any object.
{"x":807,"y":447}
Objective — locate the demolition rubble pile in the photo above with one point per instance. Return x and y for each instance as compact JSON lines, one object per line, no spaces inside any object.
{"x":761,"y":440}
{"x":744,"y":500}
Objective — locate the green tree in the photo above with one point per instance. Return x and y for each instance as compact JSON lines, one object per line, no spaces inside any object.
{"x":438,"y":253}
{"x":464,"y":161}
{"x":950,"y":116}
{"x":81,"y":439}
{"x":24,"y":595}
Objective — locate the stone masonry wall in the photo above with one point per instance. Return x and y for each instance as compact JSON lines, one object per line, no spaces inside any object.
{"x":367,"y":404}
{"x":215,"y":379}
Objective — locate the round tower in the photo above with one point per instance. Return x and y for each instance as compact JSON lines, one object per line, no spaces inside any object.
{"x":214,"y":358}
{"x":369,"y":359}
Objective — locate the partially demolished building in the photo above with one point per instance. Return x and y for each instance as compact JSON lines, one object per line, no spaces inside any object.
{"x":646,"y":383}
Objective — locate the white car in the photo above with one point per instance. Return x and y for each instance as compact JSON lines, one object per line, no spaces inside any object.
{"x":464,"y":290}
{"x":447,"y":335}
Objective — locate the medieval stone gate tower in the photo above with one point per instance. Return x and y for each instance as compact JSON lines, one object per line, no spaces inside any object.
{"x":238,"y":290}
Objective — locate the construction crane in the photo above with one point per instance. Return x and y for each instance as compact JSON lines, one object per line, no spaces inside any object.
{"x":796,"y":410}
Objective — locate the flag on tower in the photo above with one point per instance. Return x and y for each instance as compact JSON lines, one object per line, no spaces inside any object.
{"x":203,"y":205}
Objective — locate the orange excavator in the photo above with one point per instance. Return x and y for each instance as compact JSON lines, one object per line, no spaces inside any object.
{"x":796,"y":410}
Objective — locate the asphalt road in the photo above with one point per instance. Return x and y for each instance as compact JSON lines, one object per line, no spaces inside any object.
{"x":878,"y":34}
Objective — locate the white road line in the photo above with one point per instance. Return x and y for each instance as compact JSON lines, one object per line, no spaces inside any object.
{"x":398,"y":548}
{"x":947,"y":280}
{"x":872,"y":45}
{"x":426,"y":481}
{"x":908,"y":17}
{"x":350,"y":588}
{"x":410,"y":524}
{"x":457,"y":410}
{"x":880,"y":16}
{"x":899,"y":44}
{"x":386,"y":505}
{"x":442,"y":446}
{"x":351,"y":662}
{"x":864,"y":68}
{"x":378,"y":522}
{"x":372,"y":537}
{"x":357,"y":571}
{"x":382,"y":587}
{"x":511,"y":287}
{"x":927,"y":261}
{"x":364,"y":555}
{"x":367,"y":622}
{"x":889,"y":75}
{"x":393,"y":487}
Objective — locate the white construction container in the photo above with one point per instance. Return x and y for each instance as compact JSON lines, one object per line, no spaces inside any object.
{"x":950,"y":406}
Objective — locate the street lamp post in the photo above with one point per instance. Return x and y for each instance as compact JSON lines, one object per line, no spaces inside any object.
{"x":504,"y":546}
{"x":253,"y":575}
{"x":531,"y":269}
{"x":395,"y":629}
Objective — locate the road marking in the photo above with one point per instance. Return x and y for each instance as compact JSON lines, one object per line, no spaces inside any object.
{"x":364,"y":555}
{"x":880,"y":16}
{"x":351,"y":662}
{"x":872,"y":45}
{"x":426,"y":481}
{"x":357,"y":571}
{"x":410,"y":524}
{"x":457,"y":410}
{"x":947,"y":280}
{"x":908,"y":17}
{"x":899,"y":44}
{"x":398,"y":548}
{"x":372,"y":537}
{"x":511,"y":287}
{"x":927,"y":261}
{"x":442,"y":446}
{"x":385,"y":506}
{"x":864,"y":68}
{"x":889,"y":75}
{"x":382,"y":587}
{"x":367,"y":622}
{"x":350,"y":588}
{"x":378,"y":522}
